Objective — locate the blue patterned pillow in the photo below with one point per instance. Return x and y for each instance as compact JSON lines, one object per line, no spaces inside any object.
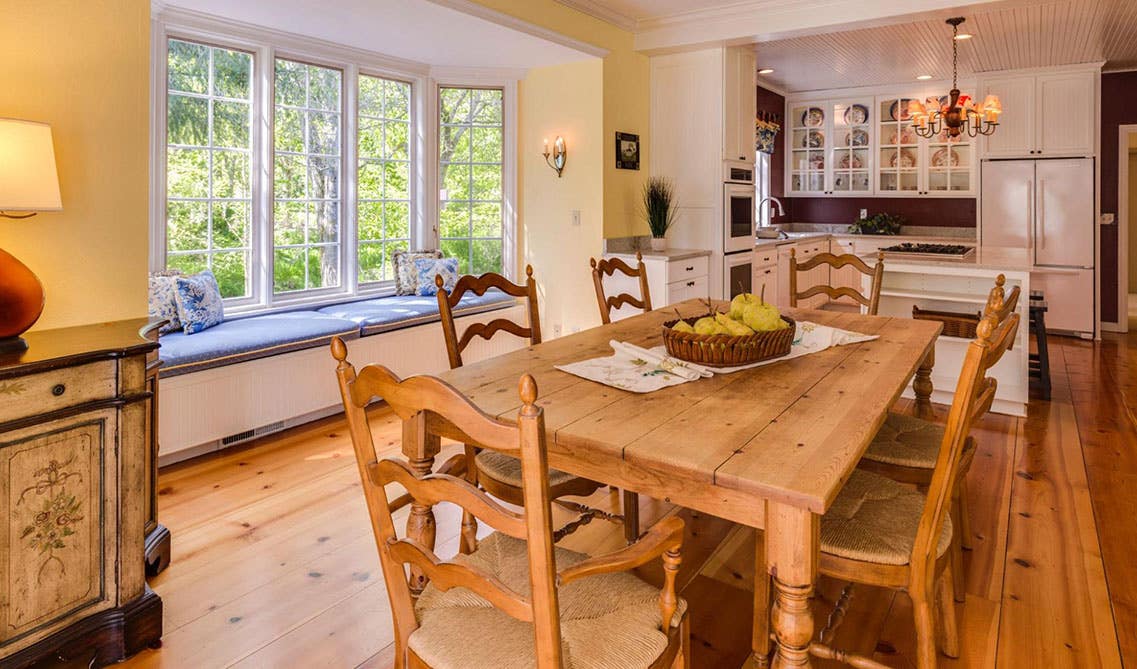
{"x":428,"y":268}
{"x":163,"y":300}
{"x":199,"y":302}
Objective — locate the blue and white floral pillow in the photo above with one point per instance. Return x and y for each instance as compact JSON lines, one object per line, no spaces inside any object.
{"x":199,"y":302}
{"x":163,"y":300}
{"x":428,"y":268}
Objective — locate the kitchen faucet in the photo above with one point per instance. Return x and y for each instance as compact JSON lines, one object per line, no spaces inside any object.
{"x":773,"y":202}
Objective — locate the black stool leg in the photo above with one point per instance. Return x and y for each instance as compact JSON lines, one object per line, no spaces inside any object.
{"x":1043,"y":354}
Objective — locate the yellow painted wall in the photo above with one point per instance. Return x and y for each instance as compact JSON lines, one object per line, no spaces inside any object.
{"x":558,"y":101}
{"x":625,"y":99}
{"x":83,"y":67}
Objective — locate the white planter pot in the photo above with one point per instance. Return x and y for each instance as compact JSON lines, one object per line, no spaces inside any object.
{"x":658,"y":243}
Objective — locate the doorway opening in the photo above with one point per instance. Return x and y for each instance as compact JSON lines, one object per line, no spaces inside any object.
{"x":1127,"y":195}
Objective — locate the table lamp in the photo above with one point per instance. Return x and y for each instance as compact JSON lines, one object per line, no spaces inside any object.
{"x":28,"y":184}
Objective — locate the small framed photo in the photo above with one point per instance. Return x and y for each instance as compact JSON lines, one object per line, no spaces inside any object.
{"x":627,"y":151}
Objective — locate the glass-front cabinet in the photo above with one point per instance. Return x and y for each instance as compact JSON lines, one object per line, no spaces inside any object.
{"x":830,"y":147}
{"x":869,"y":146}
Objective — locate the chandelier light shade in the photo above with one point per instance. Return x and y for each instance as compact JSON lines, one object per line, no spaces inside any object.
{"x":961,"y":113}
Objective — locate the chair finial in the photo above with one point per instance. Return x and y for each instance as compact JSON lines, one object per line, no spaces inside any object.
{"x":793,"y":252}
{"x":529,"y":271}
{"x":639,"y":256}
{"x":527,"y":389}
{"x":339,"y":349}
{"x":1000,"y":280}
{"x":985,"y":328}
{"x":592,"y":261}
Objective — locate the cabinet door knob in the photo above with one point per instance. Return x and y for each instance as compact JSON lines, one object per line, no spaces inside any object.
{"x":690,"y":283}
{"x":691,"y":268}
{"x":58,"y":389}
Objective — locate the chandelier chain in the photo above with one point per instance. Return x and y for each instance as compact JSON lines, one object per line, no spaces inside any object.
{"x":954,"y":56}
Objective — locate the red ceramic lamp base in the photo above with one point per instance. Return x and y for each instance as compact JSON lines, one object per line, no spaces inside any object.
{"x":21,"y":302}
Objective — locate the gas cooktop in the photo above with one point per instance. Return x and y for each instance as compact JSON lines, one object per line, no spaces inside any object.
{"x":940,"y":251}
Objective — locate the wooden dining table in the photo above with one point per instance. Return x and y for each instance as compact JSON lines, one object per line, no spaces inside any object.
{"x":769,"y":447}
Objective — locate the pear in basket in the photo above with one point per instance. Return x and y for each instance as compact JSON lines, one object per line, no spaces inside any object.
{"x":707,"y":325}
{"x":757,"y":313}
{"x":683,"y":326}
{"x":732,"y":326}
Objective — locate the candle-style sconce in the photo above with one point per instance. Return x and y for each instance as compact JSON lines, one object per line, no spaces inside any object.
{"x":559,"y":155}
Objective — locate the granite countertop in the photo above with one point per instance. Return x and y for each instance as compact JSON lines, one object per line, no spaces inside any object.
{"x":669,"y":254}
{"x":795,"y":237}
{"x":992,"y":258}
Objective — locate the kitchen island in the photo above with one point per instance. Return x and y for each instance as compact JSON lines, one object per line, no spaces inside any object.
{"x":962,"y":285}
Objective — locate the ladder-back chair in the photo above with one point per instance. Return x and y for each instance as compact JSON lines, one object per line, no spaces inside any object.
{"x":871,"y":301}
{"x":879,"y":532}
{"x":510,"y":598}
{"x":608,"y":267}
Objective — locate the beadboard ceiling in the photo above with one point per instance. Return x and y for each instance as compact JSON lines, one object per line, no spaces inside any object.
{"x":1034,"y":35}
{"x":1009,"y":34}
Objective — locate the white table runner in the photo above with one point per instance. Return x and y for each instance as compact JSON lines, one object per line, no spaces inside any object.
{"x":647,"y":370}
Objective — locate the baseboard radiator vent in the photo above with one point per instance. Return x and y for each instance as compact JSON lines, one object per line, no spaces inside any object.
{"x":253,"y":433}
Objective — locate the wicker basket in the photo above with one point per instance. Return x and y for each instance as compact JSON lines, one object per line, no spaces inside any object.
{"x":955,"y":324}
{"x":728,"y":350}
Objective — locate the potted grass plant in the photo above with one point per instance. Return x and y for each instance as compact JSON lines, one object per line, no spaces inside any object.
{"x":659,"y":209}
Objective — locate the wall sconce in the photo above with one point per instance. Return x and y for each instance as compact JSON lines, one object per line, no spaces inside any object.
{"x":558,"y":156}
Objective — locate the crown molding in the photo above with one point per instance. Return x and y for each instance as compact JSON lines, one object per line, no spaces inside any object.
{"x":507,"y":21}
{"x":598,"y":10}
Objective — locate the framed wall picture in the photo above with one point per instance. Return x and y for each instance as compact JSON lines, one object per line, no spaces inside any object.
{"x":627,"y":151}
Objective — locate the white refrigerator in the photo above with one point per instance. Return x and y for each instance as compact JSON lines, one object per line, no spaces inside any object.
{"x":1047,"y":207}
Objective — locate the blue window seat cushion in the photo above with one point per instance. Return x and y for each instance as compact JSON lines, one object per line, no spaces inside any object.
{"x":383,"y":314}
{"x":244,"y":339}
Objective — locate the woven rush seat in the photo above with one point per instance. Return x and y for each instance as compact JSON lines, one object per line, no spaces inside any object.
{"x":906,"y":441}
{"x":608,"y":621}
{"x":507,"y":469}
{"x":874,"y":519}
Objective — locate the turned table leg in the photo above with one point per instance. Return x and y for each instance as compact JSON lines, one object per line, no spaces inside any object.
{"x":420,"y":447}
{"x":792,"y":544}
{"x":922,"y":387}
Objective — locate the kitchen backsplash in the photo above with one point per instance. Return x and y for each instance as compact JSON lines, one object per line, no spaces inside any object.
{"x":936,"y":212}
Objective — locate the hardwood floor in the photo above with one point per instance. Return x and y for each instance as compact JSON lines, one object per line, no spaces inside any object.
{"x":274,"y":564}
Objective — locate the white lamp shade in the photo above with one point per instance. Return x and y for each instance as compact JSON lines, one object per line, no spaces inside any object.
{"x":28,"y":180}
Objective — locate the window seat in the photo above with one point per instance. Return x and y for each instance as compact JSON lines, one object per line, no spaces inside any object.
{"x":384,"y":314}
{"x":244,"y":339}
{"x":252,"y":376}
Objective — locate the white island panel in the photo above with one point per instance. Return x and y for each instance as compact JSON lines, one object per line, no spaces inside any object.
{"x":962,"y":286}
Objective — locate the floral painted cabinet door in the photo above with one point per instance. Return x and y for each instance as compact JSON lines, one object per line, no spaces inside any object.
{"x":59,"y":510}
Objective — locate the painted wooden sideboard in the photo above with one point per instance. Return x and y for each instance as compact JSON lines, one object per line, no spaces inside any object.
{"x":76,"y":486}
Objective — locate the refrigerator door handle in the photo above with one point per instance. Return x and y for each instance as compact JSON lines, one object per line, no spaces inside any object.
{"x":1040,"y":222}
{"x":1030,"y":217}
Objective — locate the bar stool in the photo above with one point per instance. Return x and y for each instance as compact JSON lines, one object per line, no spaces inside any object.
{"x":1039,"y":362}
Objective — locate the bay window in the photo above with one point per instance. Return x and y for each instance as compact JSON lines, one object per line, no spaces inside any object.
{"x":293,"y":170}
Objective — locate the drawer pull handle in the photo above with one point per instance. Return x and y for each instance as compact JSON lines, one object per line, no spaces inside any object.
{"x":58,"y":389}
{"x":691,"y":268}
{"x":690,"y":283}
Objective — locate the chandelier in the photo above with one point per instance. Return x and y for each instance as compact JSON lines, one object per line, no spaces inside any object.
{"x":960,"y":113}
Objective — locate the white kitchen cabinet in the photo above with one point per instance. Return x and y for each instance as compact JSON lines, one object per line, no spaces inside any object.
{"x":910,"y":164}
{"x":1050,"y":115}
{"x":830,"y":147}
{"x":817,"y":276}
{"x":669,"y":281}
{"x":766,"y":274}
{"x":740,"y":103}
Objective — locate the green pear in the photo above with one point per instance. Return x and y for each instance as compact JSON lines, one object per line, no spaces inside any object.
{"x":706,"y":326}
{"x":763,"y":317}
{"x":740,"y":302}
{"x":683,"y":326}
{"x":732,"y":326}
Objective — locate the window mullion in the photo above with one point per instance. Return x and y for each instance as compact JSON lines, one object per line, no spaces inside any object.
{"x":349,"y":180}
{"x":265,"y":173}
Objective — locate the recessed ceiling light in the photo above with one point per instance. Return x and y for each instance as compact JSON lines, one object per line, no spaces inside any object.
{"x":923,"y":77}
{"x":766,"y":70}
{"x":964,"y":36}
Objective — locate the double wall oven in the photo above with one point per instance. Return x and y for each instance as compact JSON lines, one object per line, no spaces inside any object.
{"x":738,"y":228}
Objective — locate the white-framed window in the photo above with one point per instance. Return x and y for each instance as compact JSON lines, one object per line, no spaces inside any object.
{"x":762,"y":187}
{"x":471,"y":177}
{"x":295,"y":168}
{"x":307,"y":176}
{"x":208,"y":165}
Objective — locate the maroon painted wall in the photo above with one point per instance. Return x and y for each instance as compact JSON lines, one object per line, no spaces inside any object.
{"x":1118,"y":107}
{"x":956,"y":212}
{"x":943,"y":212}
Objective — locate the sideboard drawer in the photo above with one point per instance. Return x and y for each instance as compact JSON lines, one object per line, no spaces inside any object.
{"x":42,"y":393}
{"x":685,"y":270}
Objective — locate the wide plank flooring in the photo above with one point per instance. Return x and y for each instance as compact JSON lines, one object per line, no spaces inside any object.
{"x":274,"y":563}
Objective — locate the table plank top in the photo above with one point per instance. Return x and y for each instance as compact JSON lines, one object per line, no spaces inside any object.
{"x":791,"y":431}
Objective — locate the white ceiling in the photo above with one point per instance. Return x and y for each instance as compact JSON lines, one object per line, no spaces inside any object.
{"x":418,"y":30}
{"x":1009,"y":37}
